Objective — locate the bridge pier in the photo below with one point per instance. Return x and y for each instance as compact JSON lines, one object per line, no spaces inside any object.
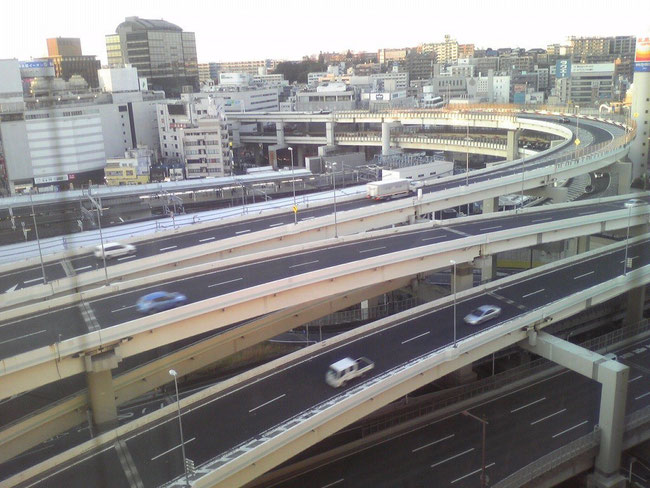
{"x":463,"y":280}
{"x":512,"y":145}
{"x":613,"y":376}
{"x":491,"y":205}
{"x":279,"y":133}
{"x":101,"y":393}
{"x":236,"y":133}
{"x":329,"y":133}
{"x":624,"y":172}
{"x":488,"y":267}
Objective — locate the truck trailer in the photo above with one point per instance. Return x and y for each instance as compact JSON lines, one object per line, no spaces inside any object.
{"x":385,"y":190}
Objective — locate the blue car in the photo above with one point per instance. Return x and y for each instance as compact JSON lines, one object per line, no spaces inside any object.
{"x":159,"y":301}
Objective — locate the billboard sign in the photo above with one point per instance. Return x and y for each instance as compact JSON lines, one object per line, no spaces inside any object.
{"x":642,"y":57}
{"x":50,"y":179}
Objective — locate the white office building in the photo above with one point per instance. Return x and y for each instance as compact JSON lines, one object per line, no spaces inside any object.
{"x":62,"y":137}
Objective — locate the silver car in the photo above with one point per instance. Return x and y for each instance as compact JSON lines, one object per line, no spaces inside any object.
{"x":482,"y":314}
{"x":114,"y":250}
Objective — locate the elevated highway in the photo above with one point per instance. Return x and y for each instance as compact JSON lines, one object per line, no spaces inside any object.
{"x":605,"y":149}
{"x":605,"y":144}
{"x":268,"y":414}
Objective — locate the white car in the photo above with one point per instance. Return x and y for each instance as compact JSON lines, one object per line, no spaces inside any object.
{"x":483,"y":314}
{"x":114,"y":250}
{"x":635,"y":202}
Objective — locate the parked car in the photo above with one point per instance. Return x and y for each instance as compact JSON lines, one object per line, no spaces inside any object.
{"x":114,"y":250}
{"x":159,"y":301}
{"x":635,"y":202}
{"x":482,"y":314}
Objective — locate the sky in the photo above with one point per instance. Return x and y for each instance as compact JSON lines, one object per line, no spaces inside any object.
{"x":244,"y":30}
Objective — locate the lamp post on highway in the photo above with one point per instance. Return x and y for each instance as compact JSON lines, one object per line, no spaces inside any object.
{"x":484,"y":422}
{"x":293,"y":185}
{"x":38,"y":241}
{"x":453,"y":277}
{"x":577,"y":108}
{"x":627,"y":240}
{"x":333,"y":166}
{"x":174,"y":374}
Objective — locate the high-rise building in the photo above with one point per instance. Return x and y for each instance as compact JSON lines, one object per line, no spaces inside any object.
{"x":63,"y":46}
{"x":68,"y":60}
{"x":162,"y":52}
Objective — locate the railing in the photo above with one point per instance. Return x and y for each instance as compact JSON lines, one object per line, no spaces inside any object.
{"x":357,"y":315}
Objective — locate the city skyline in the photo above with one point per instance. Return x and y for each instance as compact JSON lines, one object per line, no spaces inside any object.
{"x":253,"y":29}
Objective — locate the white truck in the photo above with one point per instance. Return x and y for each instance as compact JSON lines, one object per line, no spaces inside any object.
{"x":385,"y":190}
{"x":346,"y":369}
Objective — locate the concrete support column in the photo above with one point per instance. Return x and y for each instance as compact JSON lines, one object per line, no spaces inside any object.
{"x":635,"y":302}
{"x":624,"y":172}
{"x":329,"y":133}
{"x":279,"y":132}
{"x":613,"y":376}
{"x":583,"y":244}
{"x":300,"y":157}
{"x":464,"y":279}
{"x":236,"y":133}
{"x":488,"y":267}
{"x":512,"y":145}
{"x":101,"y":393}
{"x":385,"y":138}
{"x":491,"y":205}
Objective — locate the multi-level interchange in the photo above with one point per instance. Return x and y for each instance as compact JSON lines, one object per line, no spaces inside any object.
{"x":101,"y":329}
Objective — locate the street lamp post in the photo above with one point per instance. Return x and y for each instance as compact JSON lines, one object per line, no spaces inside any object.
{"x":293,"y":185}
{"x":577,"y":127}
{"x":336,"y":232}
{"x":453,"y":277}
{"x":627,"y":240}
{"x":484,"y":422}
{"x":38,"y":241}
{"x":173,"y":373}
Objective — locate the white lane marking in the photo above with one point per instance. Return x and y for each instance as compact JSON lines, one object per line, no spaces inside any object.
{"x":642,"y":396}
{"x":333,"y":483}
{"x":416,"y":337}
{"x":303,"y":264}
{"x":275,"y":225}
{"x":490,"y":228}
{"x":23,"y":336}
{"x":225,"y":282}
{"x":132,"y":256}
{"x":308,"y":218}
{"x":533,"y":293}
{"x":266,"y":403}
{"x":453,"y":457}
{"x":570,"y":428}
{"x":172,"y":449}
{"x":634,"y":379}
{"x":207,"y":239}
{"x":373,"y":249}
{"x":433,"y":443}
{"x":583,"y":275}
{"x":32,"y":281}
{"x":82,"y":268}
{"x":123,"y":308}
{"x":528,"y":405}
{"x":433,"y":238}
{"x":547,"y":417}
{"x":167,"y":248}
{"x":542,"y":220}
{"x":587,"y":213}
{"x":472,"y":473}
{"x":13,"y":288}
{"x":242,"y":231}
